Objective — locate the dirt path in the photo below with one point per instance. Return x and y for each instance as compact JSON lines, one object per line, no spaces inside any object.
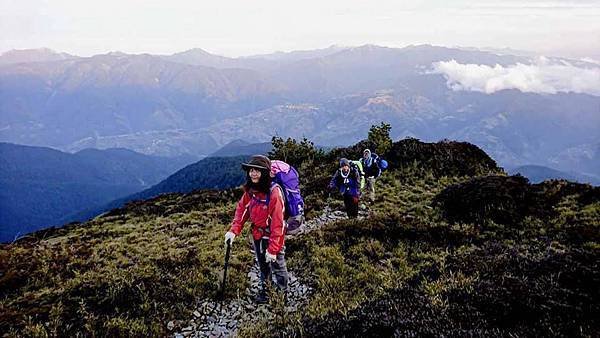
{"x":208,"y":321}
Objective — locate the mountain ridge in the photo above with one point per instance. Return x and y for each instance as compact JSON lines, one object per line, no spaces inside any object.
{"x":155,"y":106}
{"x":41,"y":185}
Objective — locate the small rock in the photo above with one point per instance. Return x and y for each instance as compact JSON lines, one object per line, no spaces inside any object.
{"x":197,"y":314}
{"x":171,"y":325}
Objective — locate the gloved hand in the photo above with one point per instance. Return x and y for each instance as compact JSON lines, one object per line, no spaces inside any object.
{"x":269,"y":257}
{"x":229,"y":236}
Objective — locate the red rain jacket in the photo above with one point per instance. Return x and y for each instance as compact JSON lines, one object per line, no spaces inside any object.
{"x":253,"y":206}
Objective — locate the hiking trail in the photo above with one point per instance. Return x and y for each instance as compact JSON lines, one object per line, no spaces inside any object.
{"x":208,"y":321}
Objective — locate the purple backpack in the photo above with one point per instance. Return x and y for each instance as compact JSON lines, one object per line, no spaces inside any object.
{"x":287,"y":178}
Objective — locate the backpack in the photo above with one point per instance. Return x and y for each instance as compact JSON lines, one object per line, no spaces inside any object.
{"x":382,"y":163}
{"x":359,"y":167}
{"x":288,"y":179}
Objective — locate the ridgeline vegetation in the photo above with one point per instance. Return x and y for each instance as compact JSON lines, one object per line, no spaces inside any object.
{"x":452,"y":246}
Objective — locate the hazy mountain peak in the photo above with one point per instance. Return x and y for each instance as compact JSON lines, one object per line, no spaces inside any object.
{"x":195,"y":51}
{"x":33,"y":55}
{"x":297,"y":55}
{"x":200,"y":57}
{"x":117,"y":53}
{"x":370,"y":46}
{"x":238,"y":142}
{"x":39,"y":51}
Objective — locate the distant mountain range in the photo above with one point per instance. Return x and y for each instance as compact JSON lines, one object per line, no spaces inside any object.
{"x":42,"y":185}
{"x":33,"y":55}
{"x":196,"y":102}
{"x":208,"y":173}
{"x":537,"y":174}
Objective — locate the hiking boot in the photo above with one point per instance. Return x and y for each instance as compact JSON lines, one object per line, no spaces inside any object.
{"x":261,"y":298}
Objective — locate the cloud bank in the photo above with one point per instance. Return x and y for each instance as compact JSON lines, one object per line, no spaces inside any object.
{"x":543,"y":76}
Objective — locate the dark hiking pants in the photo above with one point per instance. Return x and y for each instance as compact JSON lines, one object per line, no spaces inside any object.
{"x":276,"y":268}
{"x":351,"y":204}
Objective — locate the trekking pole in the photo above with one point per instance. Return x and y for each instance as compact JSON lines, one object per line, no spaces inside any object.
{"x":222,"y":291}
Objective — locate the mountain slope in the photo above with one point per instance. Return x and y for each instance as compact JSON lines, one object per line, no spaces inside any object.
{"x":156,"y":106}
{"x":42,"y":185}
{"x":403,"y":269}
{"x":241,"y":147}
{"x":537,"y":174}
{"x":208,"y":173}
{"x":113,"y":95}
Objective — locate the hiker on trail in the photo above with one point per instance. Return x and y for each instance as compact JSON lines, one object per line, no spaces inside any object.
{"x":262,"y":203}
{"x":370,"y":164}
{"x":347,"y":180}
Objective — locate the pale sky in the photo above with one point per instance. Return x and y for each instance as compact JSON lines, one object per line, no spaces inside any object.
{"x":245,"y":27}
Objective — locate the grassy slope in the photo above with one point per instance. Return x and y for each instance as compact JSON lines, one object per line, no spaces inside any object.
{"x":406,"y":271}
{"x":121,"y":274}
{"x":403,"y":270}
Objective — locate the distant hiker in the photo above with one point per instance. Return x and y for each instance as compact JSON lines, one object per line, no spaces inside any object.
{"x":370,"y":165}
{"x":262,"y":203}
{"x":347,"y":180}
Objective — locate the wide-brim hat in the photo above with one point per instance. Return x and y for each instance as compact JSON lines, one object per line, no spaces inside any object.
{"x":258,"y":162}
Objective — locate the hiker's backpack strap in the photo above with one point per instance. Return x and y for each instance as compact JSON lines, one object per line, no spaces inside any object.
{"x":273,"y":186}
{"x":281,"y":191}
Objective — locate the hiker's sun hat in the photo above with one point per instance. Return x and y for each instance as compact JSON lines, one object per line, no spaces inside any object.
{"x":258,"y":162}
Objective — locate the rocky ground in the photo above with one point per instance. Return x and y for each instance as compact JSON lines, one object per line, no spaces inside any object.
{"x":222,"y":319}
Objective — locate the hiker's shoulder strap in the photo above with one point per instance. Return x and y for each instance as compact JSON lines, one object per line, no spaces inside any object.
{"x":356,"y":173}
{"x":273,"y":186}
{"x":281,"y":194}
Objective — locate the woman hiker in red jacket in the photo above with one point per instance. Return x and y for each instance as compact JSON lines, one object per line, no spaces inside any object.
{"x":263,"y":204}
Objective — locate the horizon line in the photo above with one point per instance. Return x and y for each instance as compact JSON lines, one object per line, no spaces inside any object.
{"x":341,"y":46}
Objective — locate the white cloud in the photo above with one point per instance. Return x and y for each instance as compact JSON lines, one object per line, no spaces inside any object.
{"x":590,"y":60}
{"x":543,"y":76}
